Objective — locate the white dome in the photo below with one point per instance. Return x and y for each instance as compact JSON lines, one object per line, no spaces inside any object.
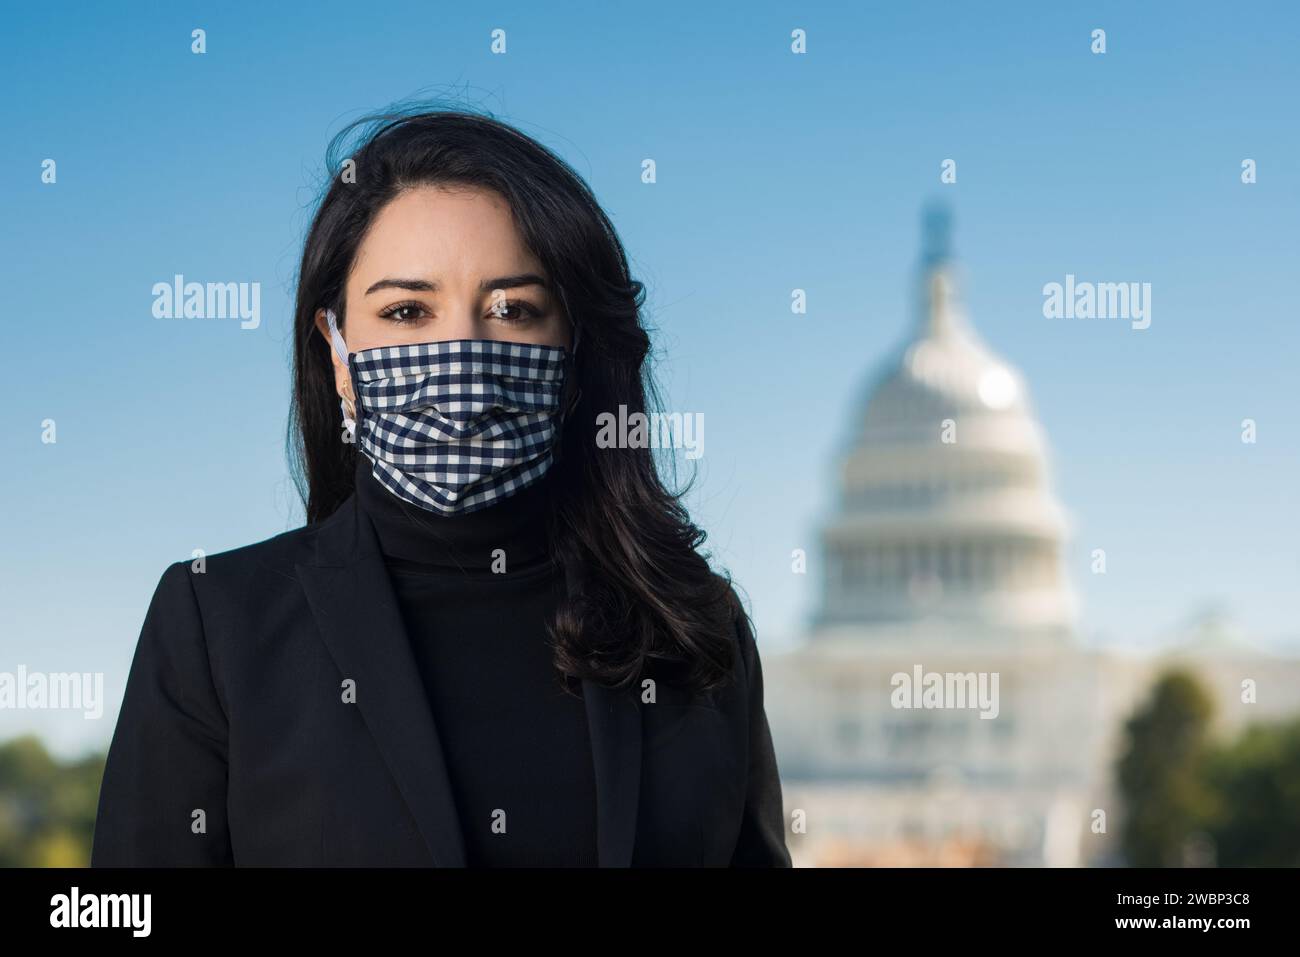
{"x":946,"y":508}
{"x":947,"y":372}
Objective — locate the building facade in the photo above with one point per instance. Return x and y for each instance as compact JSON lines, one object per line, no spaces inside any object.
{"x":942,"y":567}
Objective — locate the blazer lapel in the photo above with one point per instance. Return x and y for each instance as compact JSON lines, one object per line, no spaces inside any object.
{"x":352,"y":599}
{"x":614,"y":724}
{"x":356,"y":610}
{"x":614,"y":720}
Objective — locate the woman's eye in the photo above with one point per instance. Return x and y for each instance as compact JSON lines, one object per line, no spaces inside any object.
{"x":402,"y":312}
{"x":513,"y":310}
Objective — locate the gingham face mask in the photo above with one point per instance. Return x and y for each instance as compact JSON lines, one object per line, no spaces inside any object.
{"x":454,"y":426}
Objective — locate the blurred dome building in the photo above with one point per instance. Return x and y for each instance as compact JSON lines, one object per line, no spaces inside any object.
{"x":946,"y":508}
{"x":943,"y":554}
{"x":943,"y":559}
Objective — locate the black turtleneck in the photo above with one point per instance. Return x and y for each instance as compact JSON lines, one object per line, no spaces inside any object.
{"x":516,"y":742}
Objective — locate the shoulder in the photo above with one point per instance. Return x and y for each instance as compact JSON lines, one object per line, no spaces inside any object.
{"x":278,"y":553}
{"x":245,"y":573}
{"x":740,"y":627}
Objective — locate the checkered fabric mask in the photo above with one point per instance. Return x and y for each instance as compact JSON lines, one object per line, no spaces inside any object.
{"x":455,"y":426}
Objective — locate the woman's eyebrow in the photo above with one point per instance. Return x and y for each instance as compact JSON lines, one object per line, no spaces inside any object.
{"x":514,"y":282}
{"x":416,"y":285}
{"x":487,"y":285}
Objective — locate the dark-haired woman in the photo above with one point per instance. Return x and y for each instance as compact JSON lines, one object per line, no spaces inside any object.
{"x":495,"y":642}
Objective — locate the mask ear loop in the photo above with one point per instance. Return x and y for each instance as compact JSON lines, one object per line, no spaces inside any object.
{"x":341,"y":348}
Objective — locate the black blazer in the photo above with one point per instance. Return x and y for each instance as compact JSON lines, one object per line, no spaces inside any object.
{"x":234,"y":708}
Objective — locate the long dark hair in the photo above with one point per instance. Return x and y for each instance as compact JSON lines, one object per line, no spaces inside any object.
{"x":647,"y":592}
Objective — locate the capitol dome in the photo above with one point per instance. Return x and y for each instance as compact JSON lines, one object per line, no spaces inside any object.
{"x":945,"y":509}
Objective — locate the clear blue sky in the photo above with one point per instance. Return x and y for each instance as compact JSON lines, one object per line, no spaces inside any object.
{"x":775,"y":172}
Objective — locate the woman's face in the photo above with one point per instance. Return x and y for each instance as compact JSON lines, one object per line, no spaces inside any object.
{"x":445,"y":263}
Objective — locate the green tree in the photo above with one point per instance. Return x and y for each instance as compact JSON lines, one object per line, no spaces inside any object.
{"x":1257,"y":778}
{"x":47,"y":808}
{"x":1162,"y":772}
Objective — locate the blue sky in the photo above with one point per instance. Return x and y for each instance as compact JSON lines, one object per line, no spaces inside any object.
{"x":775,"y":172}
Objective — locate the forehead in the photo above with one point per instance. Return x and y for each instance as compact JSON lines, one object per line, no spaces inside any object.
{"x":444,"y":233}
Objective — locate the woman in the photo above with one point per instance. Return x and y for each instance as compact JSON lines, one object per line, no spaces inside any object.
{"x":495,"y":642}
